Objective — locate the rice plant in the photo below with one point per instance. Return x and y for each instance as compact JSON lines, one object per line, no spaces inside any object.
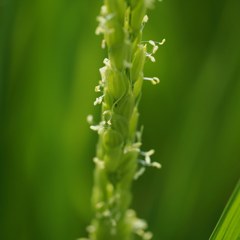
{"x":49,"y":58}
{"x":119,"y":159}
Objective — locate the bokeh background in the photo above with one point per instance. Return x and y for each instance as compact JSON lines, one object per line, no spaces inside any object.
{"x":49,"y":61}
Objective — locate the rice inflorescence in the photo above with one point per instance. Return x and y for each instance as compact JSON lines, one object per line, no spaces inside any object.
{"x":119,"y":159}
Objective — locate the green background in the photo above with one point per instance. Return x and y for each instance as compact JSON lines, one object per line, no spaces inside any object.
{"x":49,"y":61}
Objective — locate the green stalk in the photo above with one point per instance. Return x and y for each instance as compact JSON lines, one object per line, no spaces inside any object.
{"x":121,"y":22}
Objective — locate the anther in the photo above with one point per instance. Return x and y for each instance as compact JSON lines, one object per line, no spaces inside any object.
{"x":153,"y":80}
{"x":90,"y":119}
{"x":98,"y":100}
{"x":99,"y":162}
{"x":145,"y":19}
{"x":98,"y":88}
{"x":152,"y":58}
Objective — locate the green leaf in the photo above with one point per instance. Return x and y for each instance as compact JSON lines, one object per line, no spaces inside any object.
{"x":228,"y":226}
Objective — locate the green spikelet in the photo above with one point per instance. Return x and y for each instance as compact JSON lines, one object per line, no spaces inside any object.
{"x":121,"y":22}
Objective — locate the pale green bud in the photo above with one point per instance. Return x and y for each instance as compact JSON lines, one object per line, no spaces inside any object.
{"x":136,"y":42}
{"x":117,"y":54}
{"x":98,"y":194}
{"x":138,"y":63}
{"x":127,"y":197}
{"x":125,"y":106}
{"x":108,"y":101}
{"x":120,"y":124}
{"x":128,"y":169}
{"x":137,"y":15}
{"x":133,"y":124}
{"x":114,"y":38}
{"x":116,"y":7}
{"x":112,"y":139}
{"x":100,"y":150}
{"x":137,"y":88}
{"x":112,"y":159}
{"x":115,"y":35}
{"x":116,"y":84}
{"x":112,"y":142}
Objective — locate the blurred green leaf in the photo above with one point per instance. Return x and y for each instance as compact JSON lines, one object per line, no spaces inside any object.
{"x":228,"y":226}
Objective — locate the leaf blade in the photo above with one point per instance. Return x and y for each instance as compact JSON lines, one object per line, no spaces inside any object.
{"x":228,"y":226}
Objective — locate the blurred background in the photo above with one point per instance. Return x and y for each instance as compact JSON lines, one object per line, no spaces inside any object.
{"x":49,"y":61}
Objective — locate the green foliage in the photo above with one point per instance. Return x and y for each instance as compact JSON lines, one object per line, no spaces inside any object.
{"x":228,"y":226}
